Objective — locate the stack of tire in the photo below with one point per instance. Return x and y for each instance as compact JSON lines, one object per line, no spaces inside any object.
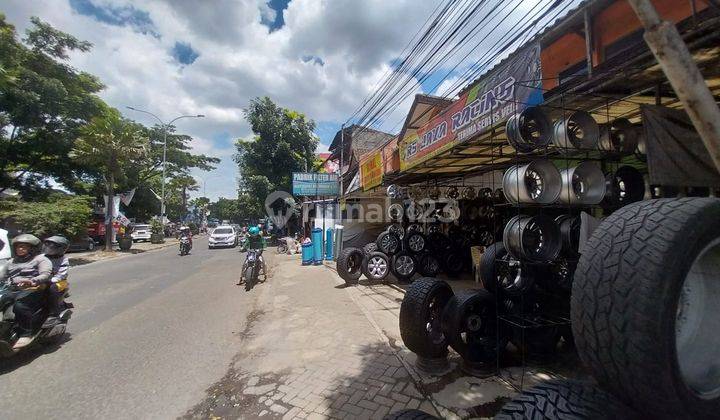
{"x":403,"y":256}
{"x":645,"y":317}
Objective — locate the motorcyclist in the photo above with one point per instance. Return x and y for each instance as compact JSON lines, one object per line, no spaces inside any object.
{"x":54,"y":249}
{"x":255,"y":242}
{"x":30,"y":271}
{"x":186,"y":233}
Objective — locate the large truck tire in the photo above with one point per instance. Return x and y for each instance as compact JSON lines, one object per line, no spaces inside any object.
{"x":349,"y":264}
{"x":409,"y":414}
{"x":644,"y":306}
{"x":420,"y":317}
{"x":565,"y":399}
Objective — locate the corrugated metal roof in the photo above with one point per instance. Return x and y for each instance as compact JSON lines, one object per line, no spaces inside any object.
{"x":550,"y":33}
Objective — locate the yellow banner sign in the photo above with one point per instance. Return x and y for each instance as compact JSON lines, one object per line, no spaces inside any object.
{"x":371,"y":171}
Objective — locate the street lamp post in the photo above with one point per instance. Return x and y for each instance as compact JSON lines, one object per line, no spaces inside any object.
{"x":164,"y":162}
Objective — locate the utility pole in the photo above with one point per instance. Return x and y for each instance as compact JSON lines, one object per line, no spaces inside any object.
{"x":681,"y":70}
{"x":164,"y":161}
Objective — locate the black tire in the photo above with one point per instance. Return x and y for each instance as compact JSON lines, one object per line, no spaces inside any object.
{"x":249,"y":279}
{"x":420,"y":317}
{"x":565,"y":399}
{"x":429,"y":265}
{"x":376,"y":273}
{"x":438,"y":243}
{"x":415,"y":242}
{"x":625,"y":300}
{"x":469,"y":321}
{"x":499,"y":276}
{"x":409,"y":414}
{"x":370,"y":248}
{"x":349,"y":264}
{"x":388,"y":243}
{"x":404,"y":265}
{"x":453,"y":263}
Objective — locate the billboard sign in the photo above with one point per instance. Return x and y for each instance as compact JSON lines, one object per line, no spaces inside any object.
{"x":315,"y":184}
{"x":371,"y":170}
{"x":498,"y":95}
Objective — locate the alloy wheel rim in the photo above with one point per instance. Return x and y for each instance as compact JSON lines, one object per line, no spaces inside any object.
{"x":697,"y":321}
{"x":377,"y":267}
{"x":405,"y":265}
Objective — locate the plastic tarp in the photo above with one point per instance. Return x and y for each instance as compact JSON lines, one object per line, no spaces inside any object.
{"x":676,"y":154}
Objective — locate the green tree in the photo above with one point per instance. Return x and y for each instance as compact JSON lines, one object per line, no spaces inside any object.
{"x":43,"y":104}
{"x":111,"y":144}
{"x":62,"y":214}
{"x":283,"y":143}
{"x":225,"y":209}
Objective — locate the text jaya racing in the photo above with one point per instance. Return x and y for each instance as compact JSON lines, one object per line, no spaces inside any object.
{"x":472,"y":111}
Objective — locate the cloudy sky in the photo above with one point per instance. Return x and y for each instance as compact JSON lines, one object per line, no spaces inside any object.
{"x":174,"y":57}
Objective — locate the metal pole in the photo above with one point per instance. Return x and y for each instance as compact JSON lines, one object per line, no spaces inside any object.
{"x":342,"y":155}
{"x":164,"y":165}
{"x":681,"y":70}
{"x":588,"y":42}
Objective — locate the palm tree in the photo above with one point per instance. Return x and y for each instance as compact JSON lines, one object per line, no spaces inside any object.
{"x":110,"y":143}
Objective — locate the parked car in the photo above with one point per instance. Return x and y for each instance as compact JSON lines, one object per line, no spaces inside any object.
{"x":223,"y":236}
{"x":83,"y":243}
{"x":5,"y":250}
{"x":141,"y":233}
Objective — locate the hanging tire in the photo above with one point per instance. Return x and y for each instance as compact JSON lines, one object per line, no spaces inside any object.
{"x":469,"y":321}
{"x":415,"y":242}
{"x":388,"y":243}
{"x":637,"y":306}
{"x":500,"y":274}
{"x":429,"y":265}
{"x":420,"y":317}
{"x":565,"y":399}
{"x":349,"y":265}
{"x":370,"y":248}
{"x":409,"y":414}
{"x":403,"y":265}
{"x":376,"y":266}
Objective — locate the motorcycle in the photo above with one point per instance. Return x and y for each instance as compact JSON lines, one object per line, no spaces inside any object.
{"x":253,"y":267}
{"x":52,"y":328}
{"x":185,"y":245}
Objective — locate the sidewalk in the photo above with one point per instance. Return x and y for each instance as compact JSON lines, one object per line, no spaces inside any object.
{"x":311,"y":352}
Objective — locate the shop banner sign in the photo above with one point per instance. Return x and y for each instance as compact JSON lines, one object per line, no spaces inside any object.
{"x":371,"y":170}
{"x":315,"y":184}
{"x":508,"y":89}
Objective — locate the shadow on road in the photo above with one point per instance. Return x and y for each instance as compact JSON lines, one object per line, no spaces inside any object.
{"x":28,"y":356}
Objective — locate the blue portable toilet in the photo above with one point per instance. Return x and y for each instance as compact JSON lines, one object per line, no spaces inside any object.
{"x":307,"y":253}
{"x":317,"y":240}
{"x":329,"y":244}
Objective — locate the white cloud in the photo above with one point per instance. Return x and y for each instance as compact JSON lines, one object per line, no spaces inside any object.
{"x":239,"y":58}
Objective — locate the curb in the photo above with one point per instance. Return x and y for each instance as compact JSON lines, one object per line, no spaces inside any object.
{"x":120,"y":255}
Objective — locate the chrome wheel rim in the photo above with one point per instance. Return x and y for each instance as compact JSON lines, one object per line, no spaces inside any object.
{"x":405,"y":265}
{"x":377,"y":267}
{"x":416,"y":243}
{"x":697,"y":322}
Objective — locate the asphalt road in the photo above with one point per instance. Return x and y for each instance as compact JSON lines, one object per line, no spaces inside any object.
{"x":150,"y":333}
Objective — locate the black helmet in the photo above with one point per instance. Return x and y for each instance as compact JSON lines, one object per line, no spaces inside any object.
{"x":55,"y":245}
